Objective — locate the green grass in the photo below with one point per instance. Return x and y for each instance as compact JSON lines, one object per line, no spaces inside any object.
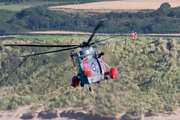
{"x":26,"y":4}
{"x":43,"y":37}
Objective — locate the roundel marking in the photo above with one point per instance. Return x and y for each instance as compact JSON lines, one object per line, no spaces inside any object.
{"x":93,"y":66}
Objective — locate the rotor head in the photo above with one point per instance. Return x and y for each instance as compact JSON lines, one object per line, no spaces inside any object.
{"x":85,"y":43}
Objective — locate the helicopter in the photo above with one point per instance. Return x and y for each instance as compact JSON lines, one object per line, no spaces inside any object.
{"x":91,"y":67}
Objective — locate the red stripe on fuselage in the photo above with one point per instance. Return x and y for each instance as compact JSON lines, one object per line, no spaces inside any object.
{"x":87,"y":68}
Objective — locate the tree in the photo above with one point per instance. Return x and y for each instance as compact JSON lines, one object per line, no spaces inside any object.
{"x":140,"y":15}
{"x":165,"y":9}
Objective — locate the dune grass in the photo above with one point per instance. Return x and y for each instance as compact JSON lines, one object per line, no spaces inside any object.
{"x":148,"y":82}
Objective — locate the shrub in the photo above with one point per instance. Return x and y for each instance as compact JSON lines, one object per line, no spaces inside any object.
{"x":12,"y":105}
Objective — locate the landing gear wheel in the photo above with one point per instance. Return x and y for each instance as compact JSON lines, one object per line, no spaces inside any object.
{"x":82,"y":84}
{"x":90,"y":89}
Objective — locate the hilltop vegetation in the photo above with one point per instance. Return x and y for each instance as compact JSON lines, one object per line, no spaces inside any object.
{"x":148,"y":82}
{"x":163,"y":20}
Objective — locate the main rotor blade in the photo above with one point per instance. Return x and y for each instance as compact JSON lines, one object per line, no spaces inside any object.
{"x":49,"y":52}
{"x":96,"y":28}
{"x":104,"y":39}
{"x":30,"y":45}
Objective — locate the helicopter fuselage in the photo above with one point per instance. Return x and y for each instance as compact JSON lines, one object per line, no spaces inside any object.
{"x":91,"y":68}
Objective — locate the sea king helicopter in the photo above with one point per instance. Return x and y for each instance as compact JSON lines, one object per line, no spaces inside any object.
{"x":91,"y":67}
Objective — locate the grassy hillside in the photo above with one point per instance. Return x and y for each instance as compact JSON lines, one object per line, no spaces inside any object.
{"x":148,"y":82}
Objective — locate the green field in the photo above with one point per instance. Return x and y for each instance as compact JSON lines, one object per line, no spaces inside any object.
{"x":43,"y":37}
{"x":27,"y":4}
